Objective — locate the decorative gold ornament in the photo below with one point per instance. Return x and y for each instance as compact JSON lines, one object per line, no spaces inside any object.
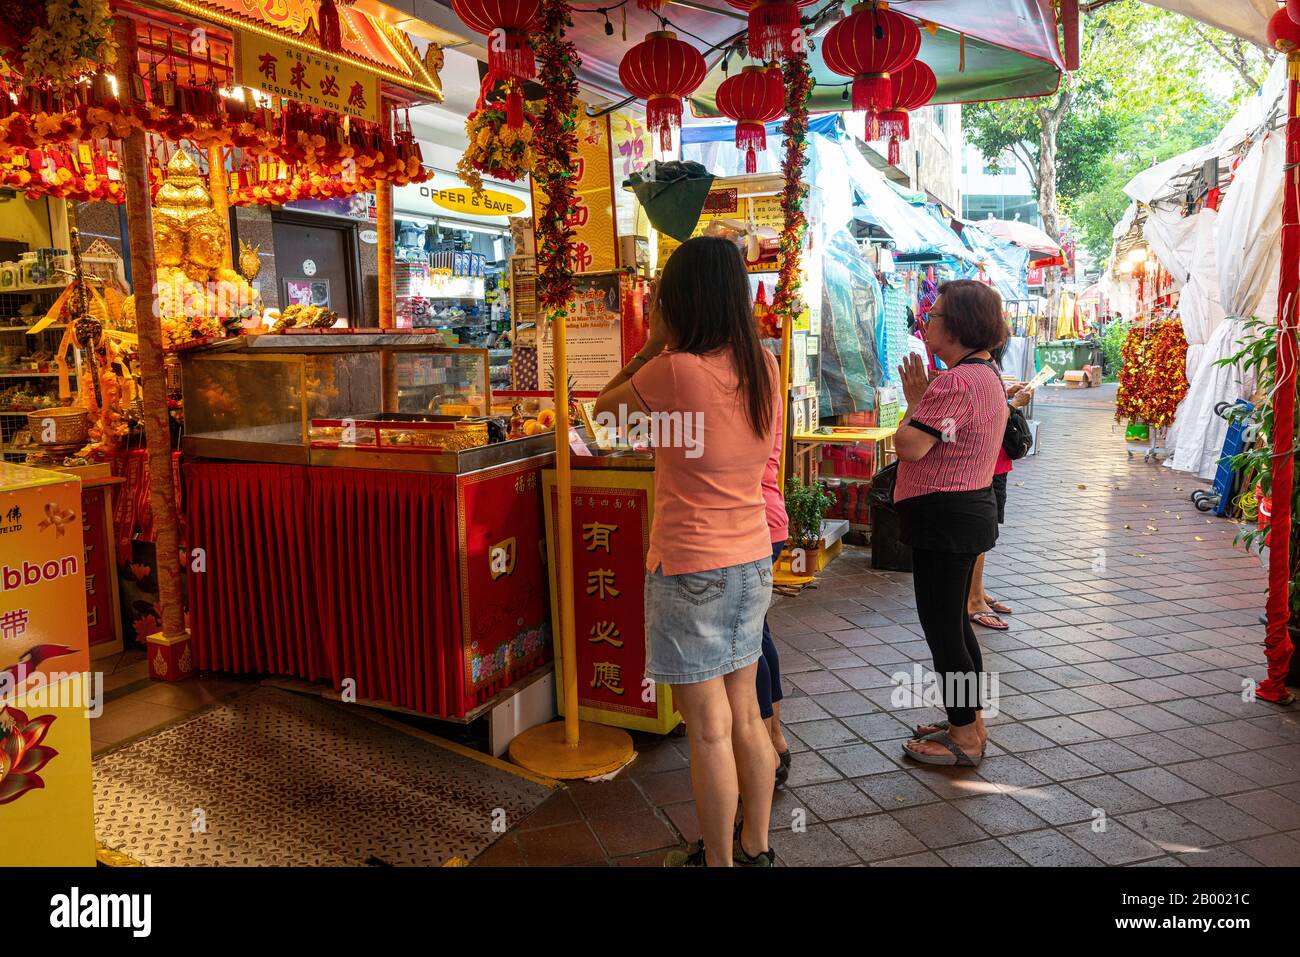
{"x":250,"y":262}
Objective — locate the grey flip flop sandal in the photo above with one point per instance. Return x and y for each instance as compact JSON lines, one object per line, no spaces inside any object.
{"x":955,"y":757}
{"x":941,"y":725}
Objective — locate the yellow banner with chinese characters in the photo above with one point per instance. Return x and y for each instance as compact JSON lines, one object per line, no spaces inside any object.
{"x":309,"y":76}
{"x":595,"y":239}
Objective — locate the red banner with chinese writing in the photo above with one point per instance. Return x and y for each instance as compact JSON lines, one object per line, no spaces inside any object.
{"x":506,"y":612}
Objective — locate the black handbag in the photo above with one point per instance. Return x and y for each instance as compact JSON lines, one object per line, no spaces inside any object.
{"x":1018,"y":439}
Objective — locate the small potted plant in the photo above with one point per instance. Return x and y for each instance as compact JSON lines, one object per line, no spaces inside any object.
{"x":806,"y":505}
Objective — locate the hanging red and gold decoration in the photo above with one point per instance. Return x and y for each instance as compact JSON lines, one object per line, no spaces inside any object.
{"x":662,"y":69}
{"x":1153,"y":379}
{"x":56,"y":42}
{"x":869,"y":45}
{"x":775,"y":32}
{"x":1284,"y":37}
{"x":913,"y":86}
{"x":798,"y":84}
{"x":83,"y":173}
{"x":557,"y":144}
{"x":509,"y":26}
{"x":753,"y":98}
{"x":495,"y":148}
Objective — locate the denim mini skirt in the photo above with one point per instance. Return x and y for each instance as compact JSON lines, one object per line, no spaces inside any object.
{"x":702,"y":625}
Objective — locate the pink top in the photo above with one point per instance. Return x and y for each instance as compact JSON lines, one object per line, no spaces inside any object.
{"x":778,"y":522}
{"x":1003,"y":464}
{"x":709,"y":509}
{"x":965,"y":408}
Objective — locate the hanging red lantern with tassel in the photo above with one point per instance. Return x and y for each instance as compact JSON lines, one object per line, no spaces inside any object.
{"x":506,"y":24}
{"x":1284,"y":37}
{"x":753,"y":98}
{"x":662,"y":69}
{"x":774,"y":29}
{"x":913,"y":87}
{"x":869,"y":45}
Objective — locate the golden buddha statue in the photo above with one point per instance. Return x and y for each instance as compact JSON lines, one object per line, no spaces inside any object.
{"x":198,"y":295}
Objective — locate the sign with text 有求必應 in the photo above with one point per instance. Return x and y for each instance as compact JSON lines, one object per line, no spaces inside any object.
{"x":309,"y":76}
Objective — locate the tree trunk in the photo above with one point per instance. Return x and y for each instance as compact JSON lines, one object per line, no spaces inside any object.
{"x":1049,"y":123}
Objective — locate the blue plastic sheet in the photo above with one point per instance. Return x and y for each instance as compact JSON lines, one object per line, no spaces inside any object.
{"x":851,"y":367}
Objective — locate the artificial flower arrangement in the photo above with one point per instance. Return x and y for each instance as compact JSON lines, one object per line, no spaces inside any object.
{"x":57,"y":42}
{"x":61,"y":173}
{"x":496,"y":148}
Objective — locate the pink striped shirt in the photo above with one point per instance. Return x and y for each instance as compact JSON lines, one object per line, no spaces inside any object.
{"x":965,"y":407}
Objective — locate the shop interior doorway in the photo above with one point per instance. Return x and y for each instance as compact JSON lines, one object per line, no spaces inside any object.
{"x":317,"y":263}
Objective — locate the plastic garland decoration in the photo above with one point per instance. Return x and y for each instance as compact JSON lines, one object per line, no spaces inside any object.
{"x":557,"y":140}
{"x":1154,"y":376}
{"x":495,"y":148}
{"x":798,"y":83}
{"x":68,"y":41}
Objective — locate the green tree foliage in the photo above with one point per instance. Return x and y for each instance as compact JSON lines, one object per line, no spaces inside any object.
{"x":1151,"y":84}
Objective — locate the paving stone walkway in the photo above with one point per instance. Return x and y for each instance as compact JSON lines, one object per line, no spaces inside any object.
{"x":1122,"y":736}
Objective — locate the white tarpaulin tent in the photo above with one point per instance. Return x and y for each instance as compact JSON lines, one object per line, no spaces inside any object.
{"x":1243,"y":18}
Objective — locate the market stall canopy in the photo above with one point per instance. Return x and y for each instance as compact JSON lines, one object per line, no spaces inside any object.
{"x":979,"y":50}
{"x":1247,"y":19}
{"x":1043,"y":249}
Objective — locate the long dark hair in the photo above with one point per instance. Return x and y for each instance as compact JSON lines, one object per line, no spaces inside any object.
{"x":704,"y":292}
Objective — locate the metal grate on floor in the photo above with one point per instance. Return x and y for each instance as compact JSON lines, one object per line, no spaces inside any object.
{"x":273,"y":778}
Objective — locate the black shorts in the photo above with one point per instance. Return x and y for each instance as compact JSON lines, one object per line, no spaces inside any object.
{"x":1000,"y":493}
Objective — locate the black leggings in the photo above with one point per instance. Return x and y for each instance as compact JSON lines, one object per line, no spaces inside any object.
{"x":942,"y":581}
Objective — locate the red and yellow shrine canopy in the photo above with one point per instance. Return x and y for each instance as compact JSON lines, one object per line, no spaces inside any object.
{"x":369,"y":43}
{"x":979,"y":49}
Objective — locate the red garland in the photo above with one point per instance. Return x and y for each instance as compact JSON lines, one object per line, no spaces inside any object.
{"x":556,"y":145}
{"x":1153,"y":379}
{"x":798,"y":84}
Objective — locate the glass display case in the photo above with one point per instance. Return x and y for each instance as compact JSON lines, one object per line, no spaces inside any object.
{"x":372,"y":400}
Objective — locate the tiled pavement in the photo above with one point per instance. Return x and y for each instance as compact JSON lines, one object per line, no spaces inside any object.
{"x":1121,"y":738}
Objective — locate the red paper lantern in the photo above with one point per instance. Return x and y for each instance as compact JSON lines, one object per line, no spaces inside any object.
{"x":913,"y":87}
{"x":1284,"y":37}
{"x":662,"y":69}
{"x":506,"y":24}
{"x":870,"y":44}
{"x":1293,"y":9}
{"x":774,"y":29}
{"x":753,"y":97}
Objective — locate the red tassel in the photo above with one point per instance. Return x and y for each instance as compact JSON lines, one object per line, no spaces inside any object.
{"x":649,"y":4}
{"x":872,"y":92}
{"x":772,"y":30}
{"x":331,"y":35}
{"x":751,"y":161}
{"x":895,"y":154}
{"x":664,"y":113}
{"x":510,"y":54}
{"x":751,"y":136}
{"x":514,"y":107}
{"x":894,"y":124}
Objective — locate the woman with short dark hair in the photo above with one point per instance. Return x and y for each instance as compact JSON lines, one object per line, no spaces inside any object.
{"x":947,"y":447}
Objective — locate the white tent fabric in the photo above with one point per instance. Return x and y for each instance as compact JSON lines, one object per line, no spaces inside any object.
{"x":1152,"y":184}
{"x":1199,"y":305}
{"x":1172,"y":238}
{"x":1197,"y":434}
{"x":1250,"y":226}
{"x":1121,"y":294}
{"x":1247,"y":19}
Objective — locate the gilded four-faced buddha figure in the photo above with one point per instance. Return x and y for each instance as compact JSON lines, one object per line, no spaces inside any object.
{"x":198,"y":296}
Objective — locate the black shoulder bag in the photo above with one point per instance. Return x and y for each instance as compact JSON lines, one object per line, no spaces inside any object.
{"x":1018,"y":439}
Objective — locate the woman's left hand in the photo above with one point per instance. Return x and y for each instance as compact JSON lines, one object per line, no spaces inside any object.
{"x":915,"y":379}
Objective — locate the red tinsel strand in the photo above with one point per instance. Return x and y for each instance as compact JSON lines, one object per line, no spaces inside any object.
{"x":797,"y":75}
{"x":557,"y":144}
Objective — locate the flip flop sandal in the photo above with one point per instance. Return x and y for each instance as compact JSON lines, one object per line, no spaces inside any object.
{"x":783,"y":768}
{"x":941,"y":725}
{"x":997,"y":606}
{"x":956,"y":757}
{"x":986,"y":619}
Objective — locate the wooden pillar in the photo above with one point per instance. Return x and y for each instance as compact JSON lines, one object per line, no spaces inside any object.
{"x":220,"y":189}
{"x":153,"y":374}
